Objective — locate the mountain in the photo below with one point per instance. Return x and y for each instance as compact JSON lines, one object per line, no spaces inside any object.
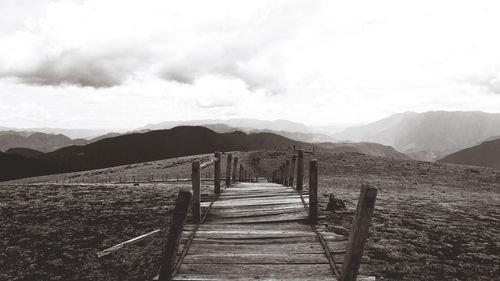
{"x":429,"y":135}
{"x":37,"y":141}
{"x":239,"y":123}
{"x":105,"y":136}
{"x":368,"y":148}
{"x":71,"y":133}
{"x":16,"y":166}
{"x":486,"y":154}
{"x":161,"y":144}
{"x":285,"y":128}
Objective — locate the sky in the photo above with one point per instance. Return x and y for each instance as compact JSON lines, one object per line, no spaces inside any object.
{"x":123,"y":64}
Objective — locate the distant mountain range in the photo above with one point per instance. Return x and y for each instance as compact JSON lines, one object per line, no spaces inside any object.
{"x":41,"y":141}
{"x":430,"y":135}
{"x":485,"y":154}
{"x":143,"y":147}
{"x":163,"y":144}
{"x":240,"y":123}
{"x":37,"y":141}
{"x":292,"y":130}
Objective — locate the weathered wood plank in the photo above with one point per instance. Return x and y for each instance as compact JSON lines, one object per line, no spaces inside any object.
{"x":292,"y":248}
{"x":256,"y":271}
{"x":256,"y":259}
{"x":262,"y":219}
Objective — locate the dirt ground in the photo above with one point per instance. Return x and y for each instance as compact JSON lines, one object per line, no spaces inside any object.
{"x":432,"y":221}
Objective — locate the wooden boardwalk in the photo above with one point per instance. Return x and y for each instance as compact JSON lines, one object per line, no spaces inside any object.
{"x":259,"y":231}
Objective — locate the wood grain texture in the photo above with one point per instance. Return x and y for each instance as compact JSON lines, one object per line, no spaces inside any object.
{"x":261,"y":231}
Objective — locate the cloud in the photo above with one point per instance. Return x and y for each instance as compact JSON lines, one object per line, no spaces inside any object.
{"x":105,"y":43}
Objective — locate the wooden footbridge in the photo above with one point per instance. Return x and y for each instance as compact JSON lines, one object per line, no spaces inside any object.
{"x":261,"y":229}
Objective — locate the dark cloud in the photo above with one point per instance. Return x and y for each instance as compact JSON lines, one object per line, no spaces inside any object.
{"x":77,"y":68}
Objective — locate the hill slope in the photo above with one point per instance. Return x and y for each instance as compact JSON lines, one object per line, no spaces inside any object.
{"x":429,"y":135}
{"x":368,"y":148}
{"x":485,"y":154}
{"x":16,"y":166}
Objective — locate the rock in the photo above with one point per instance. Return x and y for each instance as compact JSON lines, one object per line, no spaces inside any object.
{"x":334,"y":203}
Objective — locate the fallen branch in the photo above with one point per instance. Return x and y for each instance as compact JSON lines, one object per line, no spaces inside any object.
{"x":131,"y":241}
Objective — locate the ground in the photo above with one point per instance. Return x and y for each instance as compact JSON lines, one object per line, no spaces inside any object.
{"x":432,"y":221}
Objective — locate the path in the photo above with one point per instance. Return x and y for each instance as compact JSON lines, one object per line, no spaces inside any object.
{"x":260,"y":231}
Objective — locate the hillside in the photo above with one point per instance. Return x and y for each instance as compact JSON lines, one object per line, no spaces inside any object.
{"x":368,"y":148}
{"x":25,"y":152}
{"x":486,"y":154}
{"x":16,"y":166}
{"x":161,"y":144}
{"x":430,"y":135}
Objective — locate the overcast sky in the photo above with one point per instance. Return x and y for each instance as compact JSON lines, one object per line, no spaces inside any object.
{"x":123,"y":64}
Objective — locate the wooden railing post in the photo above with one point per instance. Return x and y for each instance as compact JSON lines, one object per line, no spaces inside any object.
{"x":300,"y":169}
{"x":313,"y":191}
{"x":169,"y":253}
{"x":287,"y":171}
{"x":235,"y":167}
{"x":217,"y":173}
{"x":292,"y":170}
{"x":228,"y":169}
{"x":359,"y":233}
{"x":281,"y":174}
{"x":241,"y":173}
{"x":195,"y":202}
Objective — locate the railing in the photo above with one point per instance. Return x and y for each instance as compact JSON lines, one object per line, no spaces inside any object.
{"x":285,"y":173}
{"x":192,"y":198}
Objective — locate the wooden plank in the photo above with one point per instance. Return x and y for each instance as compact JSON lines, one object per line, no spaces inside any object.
{"x":292,"y":248}
{"x":298,"y":226}
{"x":247,"y":234}
{"x":221,"y":214}
{"x":256,"y":259}
{"x":260,"y":241}
{"x":255,"y":271}
{"x":262,"y":219}
{"x":256,"y":209}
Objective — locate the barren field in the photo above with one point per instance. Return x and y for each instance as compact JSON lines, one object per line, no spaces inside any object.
{"x":432,"y":221}
{"x":53,"y":231}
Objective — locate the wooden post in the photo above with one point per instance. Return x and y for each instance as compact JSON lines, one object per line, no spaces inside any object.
{"x":195,"y":202}
{"x":287,"y":172}
{"x":292,"y":170}
{"x":300,"y":169}
{"x":235,"y":166}
{"x":169,"y":253}
{"x":241,"y":173}
{"x":359,"y":233}
{"x":217,"y":173}
{"x":228,"y":169}
{"x":313,"y":191}
{"x":284,"y":174}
